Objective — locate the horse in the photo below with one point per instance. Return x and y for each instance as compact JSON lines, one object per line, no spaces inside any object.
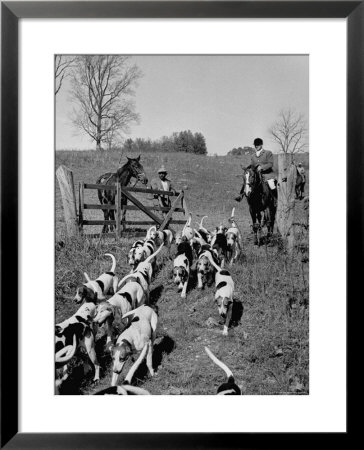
{"x":261,"y":201}
{"x":132,"y":168}
{"x":300,"y":185}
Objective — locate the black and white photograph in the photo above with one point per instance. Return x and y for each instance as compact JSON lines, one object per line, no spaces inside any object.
{"x":181,"y":224}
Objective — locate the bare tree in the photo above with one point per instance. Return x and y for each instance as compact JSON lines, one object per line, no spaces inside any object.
{"x":290,"y":131}
{"x":62,"y":66}
{"x":102,"y":87}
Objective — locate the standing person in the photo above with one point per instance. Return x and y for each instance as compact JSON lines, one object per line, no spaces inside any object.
{"x":301,"y":171}
{"x":262,"y":161}
{"x":163,"y":184}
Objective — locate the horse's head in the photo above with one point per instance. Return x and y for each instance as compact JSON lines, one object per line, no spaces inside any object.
{"x":251,"y":180}
{"x":135,"y":168}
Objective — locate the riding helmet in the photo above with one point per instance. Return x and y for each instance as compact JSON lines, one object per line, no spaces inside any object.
{"x":258,"y":141}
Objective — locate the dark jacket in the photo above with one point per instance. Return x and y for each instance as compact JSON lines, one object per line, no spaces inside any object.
{"x":265,"y":161}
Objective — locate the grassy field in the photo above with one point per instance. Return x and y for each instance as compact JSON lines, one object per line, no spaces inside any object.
{"x":267,"y":349}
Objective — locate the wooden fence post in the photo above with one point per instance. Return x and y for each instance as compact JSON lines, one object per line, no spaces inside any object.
{"x":287,"y":175}
{"x":65,"y":180}
{"x":118,"y":210}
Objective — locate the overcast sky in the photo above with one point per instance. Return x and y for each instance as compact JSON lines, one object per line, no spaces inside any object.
{"x":229,"y":99}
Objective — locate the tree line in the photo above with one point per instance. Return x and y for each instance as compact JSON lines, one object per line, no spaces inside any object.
{"x":183,"y":141}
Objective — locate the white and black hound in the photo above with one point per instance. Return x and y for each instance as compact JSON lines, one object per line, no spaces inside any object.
{"x":182,"y":267}
{"x":229,"y":387}
{"x":205,"y":270}
{"x":139,"y":336}
{"x":133,"y":258}
{"x":140,"y":253}
{"x":219,"y":243}
{"x":233,"y":240}
{"x":165,"y":236}
{"x":224,"y":294}
{"x":129,"y":297}
{"x":94,"y":290}
{"x":126,"y":388}
{"x":204,"y":233}
{"x":143,"y":273}
{"x":72,"y":333}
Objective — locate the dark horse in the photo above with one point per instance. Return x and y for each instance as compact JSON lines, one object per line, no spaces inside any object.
{"x":262,"y":204}
{"x":300,"y":185}
{"x":132,"y":168}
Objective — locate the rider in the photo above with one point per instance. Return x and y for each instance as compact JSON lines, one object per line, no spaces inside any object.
{"x":262,"y":161}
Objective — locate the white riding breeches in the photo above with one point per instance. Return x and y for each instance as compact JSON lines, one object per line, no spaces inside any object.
{"x":271,"y":183}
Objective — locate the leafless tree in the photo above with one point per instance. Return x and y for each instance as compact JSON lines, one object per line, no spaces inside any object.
{"x":290,"y":131}
{"x":102,"y":87}
{"x":62,"y":66}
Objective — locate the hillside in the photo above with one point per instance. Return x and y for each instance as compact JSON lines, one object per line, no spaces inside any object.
{"x":267,"y":350}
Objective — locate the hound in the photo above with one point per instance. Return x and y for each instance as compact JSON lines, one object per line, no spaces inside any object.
{"x":219,"y":243}
{"x":229,"y":387}
{"x":224,"y":294}
{"x":73,"y":333}
{"x":188,"y":231}
{"x":233,"y":240}
{"x":141,"y":253}
{"x":123,"y":390}
{"x":129,"y":297}
{"x":164,"y":236}
{"x":204,"y":233}
{"x":181,"y":267}
{"x":133,"y":259}
{"x":126,"y":388}
{"x":139,"y":336}
{"x":94,"y":290}
{"x":205,"y":270}
{"x":143,"y":273}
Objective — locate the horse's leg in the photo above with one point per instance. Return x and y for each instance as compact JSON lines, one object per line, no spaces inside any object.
{"x":253,"y":215}
{"x":106,"y":218}
{"x":302,"y":189}
{"x":259,"y":227}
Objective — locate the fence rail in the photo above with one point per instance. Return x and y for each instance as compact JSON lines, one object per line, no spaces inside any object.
{"x":178,"y":206}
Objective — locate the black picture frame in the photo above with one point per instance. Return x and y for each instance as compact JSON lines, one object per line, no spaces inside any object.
{"x":11,"y":12}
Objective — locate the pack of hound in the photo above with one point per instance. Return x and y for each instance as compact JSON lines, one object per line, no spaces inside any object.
{"x":122,"y":307}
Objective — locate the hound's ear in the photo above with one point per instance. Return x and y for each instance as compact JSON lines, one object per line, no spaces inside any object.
{"x":138,"y":158}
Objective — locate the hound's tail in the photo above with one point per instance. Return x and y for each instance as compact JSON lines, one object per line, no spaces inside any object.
{"x":209,"y":256}
{"x":67,"y":353}
{"x":233,"y":213}
{"x":225,"y":368}
{"x":188,"y":223}
{"x":123,"y":390}
{"x":87,"y":277}
{"x":113,"y":262}
{"x":154,"y":254}
{"x":200,"y":225}
{"x":135,"y":390}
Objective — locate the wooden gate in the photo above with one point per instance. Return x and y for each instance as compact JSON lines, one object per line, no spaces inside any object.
{"x":178,"y":205}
